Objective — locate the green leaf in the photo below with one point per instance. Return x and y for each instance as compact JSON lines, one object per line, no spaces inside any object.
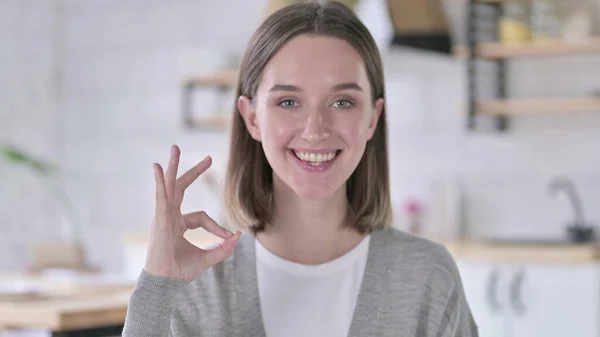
{"x":16,"y":156}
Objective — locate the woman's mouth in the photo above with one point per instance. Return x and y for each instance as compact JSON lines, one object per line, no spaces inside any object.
{"x":315,"y":159}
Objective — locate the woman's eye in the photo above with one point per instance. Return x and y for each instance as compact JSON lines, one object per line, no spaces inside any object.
{"x":288,"y":103}
{"x":343,"y":104}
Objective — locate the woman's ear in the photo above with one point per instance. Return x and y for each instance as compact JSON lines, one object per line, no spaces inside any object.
{"x":248,"y":113}
{"x":375,"y":117}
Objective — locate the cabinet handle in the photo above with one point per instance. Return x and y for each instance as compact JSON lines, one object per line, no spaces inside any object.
{"x":516,"y":287}
{"x":492,"y":291}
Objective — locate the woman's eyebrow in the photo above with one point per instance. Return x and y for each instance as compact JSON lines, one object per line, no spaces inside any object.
{"x":337,"y":87}
{"x":345,"y":86}
{"x":284,"y":87}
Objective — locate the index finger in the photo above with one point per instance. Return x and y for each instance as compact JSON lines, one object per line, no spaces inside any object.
{"x":161,"y":190}
{"x":188,"y":178}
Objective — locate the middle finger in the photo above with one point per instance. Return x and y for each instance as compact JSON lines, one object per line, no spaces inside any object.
{"x":171,"y":175}
{"x":188,"y":178}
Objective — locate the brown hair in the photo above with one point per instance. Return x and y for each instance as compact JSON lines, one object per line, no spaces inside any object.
{"x":249,"y":178}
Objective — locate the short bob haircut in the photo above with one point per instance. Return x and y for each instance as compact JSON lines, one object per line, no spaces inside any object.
{"x":249,"y":177}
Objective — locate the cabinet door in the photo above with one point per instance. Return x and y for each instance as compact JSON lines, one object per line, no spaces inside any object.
{"x":555,"y":301}
{"x":483,"y":284}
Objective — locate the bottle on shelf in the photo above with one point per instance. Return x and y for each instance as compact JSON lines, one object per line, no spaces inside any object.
{"x":576,"y":20}
{"x":545,"y":20}
{"x":514,"y":25}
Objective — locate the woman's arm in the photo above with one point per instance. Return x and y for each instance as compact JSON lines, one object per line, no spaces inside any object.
{"x":444,"y":310}
{"x":457,"y":320}
{"x":171,"y":260}
{"x":151,"y":305}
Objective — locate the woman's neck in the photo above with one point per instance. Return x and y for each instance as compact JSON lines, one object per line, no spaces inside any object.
{"x":309,"y":232}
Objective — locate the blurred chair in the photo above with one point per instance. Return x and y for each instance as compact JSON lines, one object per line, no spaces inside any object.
{"x":59,"y":255}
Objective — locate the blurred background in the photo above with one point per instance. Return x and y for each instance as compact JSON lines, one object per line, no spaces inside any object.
{"x":493,"y":116}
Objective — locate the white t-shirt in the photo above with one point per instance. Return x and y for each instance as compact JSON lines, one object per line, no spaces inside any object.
{"x":304,"y":300}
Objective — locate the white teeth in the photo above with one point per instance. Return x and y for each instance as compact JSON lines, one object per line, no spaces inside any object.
{"x":315,"y":159}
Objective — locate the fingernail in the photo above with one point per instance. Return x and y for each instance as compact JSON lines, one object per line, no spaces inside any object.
{"x":172,"y":149}
{"x":228,"y":233}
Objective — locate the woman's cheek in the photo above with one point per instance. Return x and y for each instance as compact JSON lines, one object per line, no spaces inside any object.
{"x":354,"y":125}
{"x":277,"y":127}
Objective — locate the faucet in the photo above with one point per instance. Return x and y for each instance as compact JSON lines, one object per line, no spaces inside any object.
{"x":579,"y":230}
{"x":564,"y":184}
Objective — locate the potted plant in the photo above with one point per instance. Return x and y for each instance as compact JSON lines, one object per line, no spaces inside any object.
{"x":68,"y":252}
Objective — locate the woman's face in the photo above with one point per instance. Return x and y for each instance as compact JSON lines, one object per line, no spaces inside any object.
{"x":313,"y":114}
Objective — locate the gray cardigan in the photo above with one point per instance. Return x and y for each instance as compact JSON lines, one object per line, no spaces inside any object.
{"x":411,"y":287}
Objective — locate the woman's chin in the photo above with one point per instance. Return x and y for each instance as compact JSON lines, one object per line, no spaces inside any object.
{"x":315,"y":193}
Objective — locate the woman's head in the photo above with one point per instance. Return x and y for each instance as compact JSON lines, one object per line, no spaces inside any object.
{"x":310,"y":118}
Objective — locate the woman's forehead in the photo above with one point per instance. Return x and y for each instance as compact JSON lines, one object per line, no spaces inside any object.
{"x":315,"y":60}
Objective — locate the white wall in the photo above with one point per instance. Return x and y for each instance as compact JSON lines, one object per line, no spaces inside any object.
{"x":119,"y":106}
{"x":29,"y":83}
{"x":126,"y":63}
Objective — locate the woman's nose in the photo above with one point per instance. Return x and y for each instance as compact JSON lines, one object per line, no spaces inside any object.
{"x":315,"y":129}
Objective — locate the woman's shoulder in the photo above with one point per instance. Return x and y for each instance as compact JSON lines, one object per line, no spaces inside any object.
{"x":418,"y":255}
{"x":407,"y":243}
{"x":421,"y":273}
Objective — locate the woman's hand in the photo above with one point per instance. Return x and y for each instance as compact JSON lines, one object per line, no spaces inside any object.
{"x":169,"y":253}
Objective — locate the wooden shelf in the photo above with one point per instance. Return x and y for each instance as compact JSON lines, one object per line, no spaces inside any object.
{"x":223,"y":78}
{"x":219,"y":122}
{"x":537,"y":106}
{"x":493,"y":1}
{"x":532,"y":49}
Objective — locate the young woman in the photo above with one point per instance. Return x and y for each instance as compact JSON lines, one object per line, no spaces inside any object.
{"x":307,"y":183}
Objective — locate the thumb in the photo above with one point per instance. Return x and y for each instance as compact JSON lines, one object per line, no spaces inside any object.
{"x":221,"y":252}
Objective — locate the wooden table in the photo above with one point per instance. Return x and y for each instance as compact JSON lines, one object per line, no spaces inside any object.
{"x":68,"y":310}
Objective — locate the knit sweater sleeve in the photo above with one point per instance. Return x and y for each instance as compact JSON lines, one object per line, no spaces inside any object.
{"x":456,"y":319}
{"x":459,"y":320}
{"x":151,"y":306}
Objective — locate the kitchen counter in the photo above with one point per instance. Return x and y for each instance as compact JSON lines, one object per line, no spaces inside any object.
{"x":78,"y":305}
{"x":551,"y":252}
{"x":64,"y":307}
{"x":65,"y":313}
{"x":523,"y":251}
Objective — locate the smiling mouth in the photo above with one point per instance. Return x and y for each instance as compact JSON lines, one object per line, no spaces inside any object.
{"x":316,"y":159}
